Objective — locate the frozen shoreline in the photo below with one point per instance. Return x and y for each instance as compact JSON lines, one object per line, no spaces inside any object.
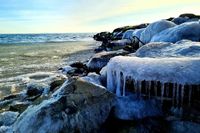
{"x":54,"y":56}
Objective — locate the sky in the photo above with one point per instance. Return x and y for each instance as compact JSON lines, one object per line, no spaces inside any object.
{"x":69,"y":16}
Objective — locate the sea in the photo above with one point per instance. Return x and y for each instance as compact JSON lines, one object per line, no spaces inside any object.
{"x":25,"y":54}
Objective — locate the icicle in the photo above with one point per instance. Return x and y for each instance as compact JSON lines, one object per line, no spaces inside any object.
{"x":146,"y":87}
{"x":162,"y":91}
{"x":167,"y":89}
{"x":190,"y":94}
{"x":118,"y":91}
{"x":110,"y":80}
{"x":139,"y":88}
{"x":182,"y":95}
{"x":136,"y":86}
{"x":149,"y":89}
{"x":155,"y":88}
{"x":177,"y":95}
{"x":124,"y":85}
{"x":174,"y":93}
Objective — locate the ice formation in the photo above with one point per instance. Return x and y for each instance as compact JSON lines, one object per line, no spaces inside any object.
{"x":182,"y":48}
{"x":180,"y":72}
{"x":128,"y":34}
{"x":189,"y":30}
{"x":155,"y":28}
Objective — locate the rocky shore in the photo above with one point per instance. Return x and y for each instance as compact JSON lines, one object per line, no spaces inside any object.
{"x":143,"y":78}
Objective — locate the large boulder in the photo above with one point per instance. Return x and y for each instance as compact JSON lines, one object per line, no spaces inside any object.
{"x":77,"y":106}
{"x":154,"y":28}
{"x":189,"y":30}
{"x":99,"y":60}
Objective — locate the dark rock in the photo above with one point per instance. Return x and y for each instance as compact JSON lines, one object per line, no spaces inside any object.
{"x":34,"y":89}
{"x":77,"y":106}
{"x":56,"y":84}
{"x":103,"y":37}
{"x":189,"y":15}
{"x":125,"y":28}
{"x":99,"y":60}
{"x":79,"y":65}
{"x":19,"y":106}
{"x":118,"y":33}
{"x":11,"y":96}
{"x":99,"y":49}
{"x":170,"y":19}
{"x":129,"y":48}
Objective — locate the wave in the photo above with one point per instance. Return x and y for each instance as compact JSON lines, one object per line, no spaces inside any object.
{"x":44,"y":38}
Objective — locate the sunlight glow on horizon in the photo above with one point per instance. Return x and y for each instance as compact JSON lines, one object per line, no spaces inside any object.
{"x":61,"y":16}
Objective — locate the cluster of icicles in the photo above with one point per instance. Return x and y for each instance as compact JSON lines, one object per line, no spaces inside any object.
{"x":121,"y":84}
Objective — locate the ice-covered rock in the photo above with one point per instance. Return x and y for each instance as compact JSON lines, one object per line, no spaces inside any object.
{"x":146,"y":73}
{"x":180,"y":20}
{"x":130,"y":108}
{"x":154,"y":28}
{"x":182,"y":48}
{"x":189,"y":30}
{"x":99,"y":60}
{"x":8,"y":118}
{"x":77,"y":107}
{"x":67,"y":69}
{"x":93,"y":78}
{"x":128,"y":34}
{"x":138,"y":32}
{"x":173,"y":70}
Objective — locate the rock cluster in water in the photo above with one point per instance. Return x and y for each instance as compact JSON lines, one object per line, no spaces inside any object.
{"x":143,"y":78}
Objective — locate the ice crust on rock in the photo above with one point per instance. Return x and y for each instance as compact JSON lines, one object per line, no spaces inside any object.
{"x":184,"y":48}
{"x":128,"y":34}
{"x":188,"y":30}
{"x":155,"y":28}
{"x":179,"y":71}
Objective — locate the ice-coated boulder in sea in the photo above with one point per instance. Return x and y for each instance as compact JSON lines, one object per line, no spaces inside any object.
{"x":128,"y":34}
{"x":154,"y":28}
{"x":184,"y":48}
{"x":189,"y":30}
{"x":154,"y":74}
{"x":77,"y":106}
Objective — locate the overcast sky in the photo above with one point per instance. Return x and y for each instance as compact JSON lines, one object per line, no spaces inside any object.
{"x":50,"y":16}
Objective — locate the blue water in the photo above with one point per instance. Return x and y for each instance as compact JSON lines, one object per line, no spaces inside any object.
{"x":44,"y":38}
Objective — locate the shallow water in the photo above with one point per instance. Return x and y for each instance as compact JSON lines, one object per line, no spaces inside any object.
{"x":18,"y":60}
